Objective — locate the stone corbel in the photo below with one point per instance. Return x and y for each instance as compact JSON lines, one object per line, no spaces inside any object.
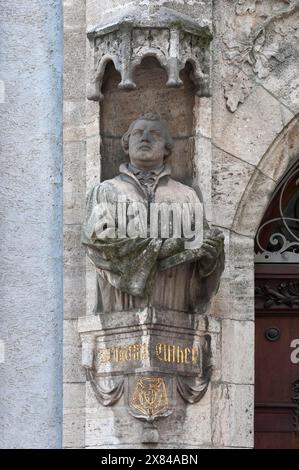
{"x":172,"y":38}
{"x":148,"y":357}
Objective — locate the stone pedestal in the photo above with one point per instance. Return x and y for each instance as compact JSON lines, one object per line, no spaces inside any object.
{"x":145,"y":369}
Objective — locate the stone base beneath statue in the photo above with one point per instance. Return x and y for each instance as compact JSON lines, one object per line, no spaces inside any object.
{"x":148,"y":375}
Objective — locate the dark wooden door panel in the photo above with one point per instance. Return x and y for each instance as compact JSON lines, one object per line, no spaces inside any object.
{"x":274,"y":418}
{"x":276,"y":440}
{"x":275,"y":375}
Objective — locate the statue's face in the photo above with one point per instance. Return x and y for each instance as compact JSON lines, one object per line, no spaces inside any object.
{"x":147,"y":144}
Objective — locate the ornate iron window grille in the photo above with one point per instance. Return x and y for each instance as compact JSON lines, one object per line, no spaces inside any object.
{"x":277,"y":240}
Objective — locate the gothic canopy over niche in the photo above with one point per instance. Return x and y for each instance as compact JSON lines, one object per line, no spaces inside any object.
{"x":277,"y":240}
{"x":174,"y":39}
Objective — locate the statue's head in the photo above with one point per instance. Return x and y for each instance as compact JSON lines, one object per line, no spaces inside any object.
{"x":147,"y":142}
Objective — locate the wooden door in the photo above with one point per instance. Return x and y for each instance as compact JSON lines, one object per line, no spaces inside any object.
{"x":277,"y":357}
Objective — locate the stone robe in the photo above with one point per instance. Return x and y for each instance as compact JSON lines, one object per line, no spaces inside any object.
{"x":129,"y":270}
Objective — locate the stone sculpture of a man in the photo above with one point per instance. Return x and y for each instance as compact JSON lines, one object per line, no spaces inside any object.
{"x":134,"y":272}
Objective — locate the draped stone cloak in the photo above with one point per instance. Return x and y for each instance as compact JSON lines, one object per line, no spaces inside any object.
{"x":129,"y":270}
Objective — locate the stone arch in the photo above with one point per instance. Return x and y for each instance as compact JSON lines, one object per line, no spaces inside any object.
{"x":280,"y":155}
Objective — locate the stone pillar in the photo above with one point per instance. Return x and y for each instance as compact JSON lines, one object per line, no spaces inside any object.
{"x":31,"y":223}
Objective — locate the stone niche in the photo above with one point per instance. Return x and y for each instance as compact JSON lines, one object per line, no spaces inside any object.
{"x":148,"y":370}
{"x":119,"y":109}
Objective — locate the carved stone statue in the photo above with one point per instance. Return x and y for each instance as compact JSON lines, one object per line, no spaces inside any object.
{"x":140,"y":271}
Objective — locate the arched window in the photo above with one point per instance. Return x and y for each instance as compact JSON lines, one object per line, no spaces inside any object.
{"x":277,"y":240}
{"x":277,"y":318}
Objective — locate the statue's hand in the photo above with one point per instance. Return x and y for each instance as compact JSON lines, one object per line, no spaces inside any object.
{"x":170,"y":247}
{"x":212,"y":247}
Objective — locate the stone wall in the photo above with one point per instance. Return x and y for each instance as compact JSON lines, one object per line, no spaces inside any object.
{"x":255,"y":101}
{"x":244,"y":139}
{"x":74,"y":202}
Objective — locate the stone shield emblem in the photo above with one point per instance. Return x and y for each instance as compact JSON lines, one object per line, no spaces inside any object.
{"x":150,"y":396}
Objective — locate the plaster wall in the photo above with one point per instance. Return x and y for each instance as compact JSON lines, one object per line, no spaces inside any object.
{"x":31,"y":287}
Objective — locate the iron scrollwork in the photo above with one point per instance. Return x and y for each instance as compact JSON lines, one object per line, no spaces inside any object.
{"x":282,"y":243}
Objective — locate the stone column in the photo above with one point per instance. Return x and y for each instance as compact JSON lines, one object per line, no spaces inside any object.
{"x":31,"y":223}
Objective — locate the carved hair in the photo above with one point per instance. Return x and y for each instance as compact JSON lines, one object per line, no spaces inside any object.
{"x":149,"y":117}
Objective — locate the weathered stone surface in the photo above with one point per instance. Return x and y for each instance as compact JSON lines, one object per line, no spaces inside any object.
{"x":74,"y":415}
{"x":151,"y":95}
{"x":258,"y":46}
{"x":293,"y":141}
{"x":93,"y":165}
{"x":74,"y":12}
{"x":202,"y":117}
{"x":73,"y":114}
{"x":281,"y":153}
{"x":74,"y":65}
{"x":118,"y":322}
{"x":74,"y":134}
{"x":173,"y":445}
{"x":74,"y":256}
{"x":216,"y":356}
{"x":91,"y":287}
{"x":92,"y":111}
{"x":241,"y":277}
{"x":74,"y":394}
{"x":244,"y":134}
{"x":74,"y":184}
{"x":74,"y":291}
{"x":114,"y":427}
{"x":234,"y":299}
{"x":237,"y":346}
{"x":232,"y":415}
{"x":253,"y":204}
{"x":202,"y":11}
{"x":275,"y":161}
{"x":203,"y":172}
{"x":283,"y":82}
{"x":221,"y":303}
{"x":74,"y":195}
{"x":74,"y":428}
{"x":229,"y":178}
{"x":196,"y":424}
{"x":73,"y":371}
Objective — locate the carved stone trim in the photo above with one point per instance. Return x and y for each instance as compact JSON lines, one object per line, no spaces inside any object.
{"x":106,"y":397}
{"x":193,"y":393}
{"x":256,"y":35}
{"x":171,"y":37}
